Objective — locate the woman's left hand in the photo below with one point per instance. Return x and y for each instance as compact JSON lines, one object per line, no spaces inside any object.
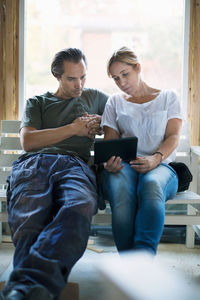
{"x":145,"y":163}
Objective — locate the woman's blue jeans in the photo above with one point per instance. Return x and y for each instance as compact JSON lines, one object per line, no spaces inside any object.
{"x":138,"y":205}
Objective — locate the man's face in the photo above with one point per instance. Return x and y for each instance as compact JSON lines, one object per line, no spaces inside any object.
{"x":72,"y":81}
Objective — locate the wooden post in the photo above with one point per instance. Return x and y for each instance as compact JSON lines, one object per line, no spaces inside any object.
{"x":194,"y":72}
{"x":9,"y":57}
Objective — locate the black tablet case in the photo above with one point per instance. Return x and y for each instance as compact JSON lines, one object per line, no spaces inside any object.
{"x":126,"y":148}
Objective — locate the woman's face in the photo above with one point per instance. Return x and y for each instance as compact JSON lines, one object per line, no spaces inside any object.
{"x":126,"y":77}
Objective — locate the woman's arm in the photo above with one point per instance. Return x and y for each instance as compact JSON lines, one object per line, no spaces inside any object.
{"x":114,"y":163}
{"x":170,"y":142}
{"x":172,"y":136}
{"x":110,"y":133}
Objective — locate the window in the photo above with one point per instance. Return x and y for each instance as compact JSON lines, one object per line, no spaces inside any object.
{"x":153,"y":29}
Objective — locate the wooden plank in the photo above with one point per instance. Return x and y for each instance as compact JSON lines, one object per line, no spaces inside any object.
{"x":169,"y":219}
{"x":197,"y":229}
{"x":95,"y":249}
{"x":6,"y":238}
{"x":16,"y":50}
{"x":3,"y":176}
{"x":2,"y":40}
{"x":7,"y":159}
{"x":183,"y":201}
{"x":194,"y":72}
{"x":2,"y":284}
{"x":3,"y":217}
{"x":10,"y":143}
{"x":71,"y":291}
{"x":185,"y":196}
{"x":3,"y":195}
{"x":9,"y":60}
{"x":102,"y":219}
{"x":11,"y":56}
{"x":182,"y":220}
{"x":10,"y":126}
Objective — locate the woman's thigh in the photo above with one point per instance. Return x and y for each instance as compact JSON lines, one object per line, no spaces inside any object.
{"x":159,"y":183}
{"x":120,"y":189}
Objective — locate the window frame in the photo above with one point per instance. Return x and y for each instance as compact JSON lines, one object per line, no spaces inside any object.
{"x":22,"y":58}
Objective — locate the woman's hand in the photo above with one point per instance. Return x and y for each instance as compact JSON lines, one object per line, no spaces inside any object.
{"x":146,"y":163}
{"x":113,"y":165}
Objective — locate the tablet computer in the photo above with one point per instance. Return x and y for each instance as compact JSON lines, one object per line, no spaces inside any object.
{"x":126,"y":148}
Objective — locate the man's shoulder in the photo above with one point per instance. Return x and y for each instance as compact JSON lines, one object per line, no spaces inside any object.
{"x":39,"y":99}
{"x":93,"y":93}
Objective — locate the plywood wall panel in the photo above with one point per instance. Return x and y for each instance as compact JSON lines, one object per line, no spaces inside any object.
{"x":9,"y":57}
{"x":194,"y":72}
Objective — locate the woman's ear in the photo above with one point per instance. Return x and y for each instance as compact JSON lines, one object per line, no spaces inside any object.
{"x":138,"y":67}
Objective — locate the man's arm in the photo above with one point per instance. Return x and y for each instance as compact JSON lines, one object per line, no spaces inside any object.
{"x":31,"y":138}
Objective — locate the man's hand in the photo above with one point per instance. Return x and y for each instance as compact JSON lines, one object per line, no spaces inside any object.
{"x":113,"y":165}
{"x":80,"y":126}
{"x":87,"y":125}
{"x":94,"y":124}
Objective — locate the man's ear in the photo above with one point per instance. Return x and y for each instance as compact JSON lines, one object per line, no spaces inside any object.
{"x":57,"y":76}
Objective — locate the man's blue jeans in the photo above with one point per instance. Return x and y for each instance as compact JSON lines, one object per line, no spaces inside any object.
{"x":51,"y":201}
{"x":138,"y":205}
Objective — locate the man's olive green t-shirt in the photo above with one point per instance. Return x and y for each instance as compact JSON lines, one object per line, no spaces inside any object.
{"x":47,"y":111}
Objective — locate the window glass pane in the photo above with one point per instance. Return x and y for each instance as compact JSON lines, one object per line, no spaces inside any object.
{"x":153,"y":29}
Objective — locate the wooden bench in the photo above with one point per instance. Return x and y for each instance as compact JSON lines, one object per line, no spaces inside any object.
{"x":10,"y":150}
{"x":184,"y":208}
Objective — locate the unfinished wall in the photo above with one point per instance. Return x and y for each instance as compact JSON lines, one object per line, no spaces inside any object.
{"x":9,"y":58}
{"x":194,"y":72}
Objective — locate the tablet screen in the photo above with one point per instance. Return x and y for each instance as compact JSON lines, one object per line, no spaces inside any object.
{"x":126,"y":148}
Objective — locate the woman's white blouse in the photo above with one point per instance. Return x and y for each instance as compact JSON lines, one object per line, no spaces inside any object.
{"x":147,"y":121}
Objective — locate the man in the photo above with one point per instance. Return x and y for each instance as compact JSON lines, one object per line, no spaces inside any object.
{"x":52,"y":191}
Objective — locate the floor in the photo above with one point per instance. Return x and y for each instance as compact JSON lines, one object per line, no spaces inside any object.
{"x":90,"y":281}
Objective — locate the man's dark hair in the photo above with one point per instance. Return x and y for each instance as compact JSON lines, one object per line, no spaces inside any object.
{"x":70,"y":54}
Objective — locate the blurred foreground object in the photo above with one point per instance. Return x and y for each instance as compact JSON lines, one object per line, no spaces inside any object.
{"x":139,"y":277}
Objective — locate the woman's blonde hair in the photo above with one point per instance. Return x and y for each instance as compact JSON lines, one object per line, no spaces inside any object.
{"x":123,"y":55}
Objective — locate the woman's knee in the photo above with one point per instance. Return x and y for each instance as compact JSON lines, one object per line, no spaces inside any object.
{"x":150,"y":189}
{"x":117,"y":187}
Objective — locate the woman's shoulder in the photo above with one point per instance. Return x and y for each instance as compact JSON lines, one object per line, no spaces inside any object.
{"x":169,"y":93}
{"x":169,"y":100}
{"x":116,"y":98}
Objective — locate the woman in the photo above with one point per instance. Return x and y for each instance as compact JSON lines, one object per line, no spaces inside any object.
{"x":137,"y":190}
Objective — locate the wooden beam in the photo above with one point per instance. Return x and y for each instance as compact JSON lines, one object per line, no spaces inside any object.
{"x":2,"y":42}
{"x":194,"y":72}
{"x":9,"y":57}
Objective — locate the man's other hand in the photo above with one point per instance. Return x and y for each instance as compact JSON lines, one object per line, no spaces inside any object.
{"x":94,"y":124}
{"x":80,"y":126}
